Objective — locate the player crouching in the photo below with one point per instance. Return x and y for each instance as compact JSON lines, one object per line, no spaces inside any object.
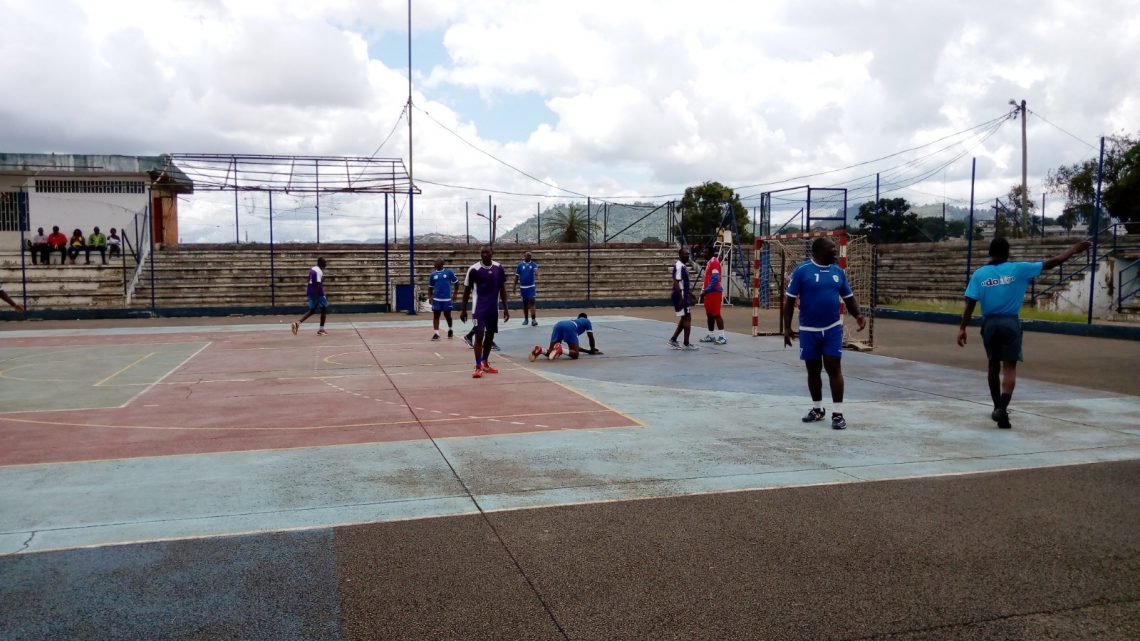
{"x":567,"y":331}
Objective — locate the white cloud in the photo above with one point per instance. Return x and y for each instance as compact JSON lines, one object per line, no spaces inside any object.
{"x":648,"y":96}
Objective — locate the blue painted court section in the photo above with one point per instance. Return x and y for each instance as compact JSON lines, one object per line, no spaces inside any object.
{"x":725,"y":418}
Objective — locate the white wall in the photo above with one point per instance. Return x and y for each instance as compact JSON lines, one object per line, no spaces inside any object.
{"x":68,"y":211}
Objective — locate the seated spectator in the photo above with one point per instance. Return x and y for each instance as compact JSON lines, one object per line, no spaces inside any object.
{"x":75,"y":245}
{"x":98,"y":242}
{"x":40,"y":248}
{"x":57,"y":242}
{"x":114,"y":244}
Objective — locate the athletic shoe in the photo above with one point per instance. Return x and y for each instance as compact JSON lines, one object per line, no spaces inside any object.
{"x":674,"y":344}
{"x":322,"y":332}
{"x":487,"y":369}
{"x":1002,"y":418}
{"x":435,"y":337}
{"x":556,"y":352}
{"x":708,"y":338}
{"x":467,"y":339}
{"x":478,"y":373}
{"x":816,"y":414}
{"x":535,"y":353}
{"x":450,"y":334}
{"x":690,"y":348}
{"x":494,"y":346}
{"x":838,"y":422}
{"x":534,"y":322}
{"x":720,"y":340}
{"x":295,"y":327}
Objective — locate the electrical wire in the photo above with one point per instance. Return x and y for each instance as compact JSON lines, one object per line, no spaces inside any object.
{"x":1058,"y":128}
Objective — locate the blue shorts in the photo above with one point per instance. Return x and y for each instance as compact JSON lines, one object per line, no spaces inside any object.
{"x":528,"y":293}
{"x":565,"y":332}
{"x":318,"y":302}
{"x":486,"y":322}
{"x":814,"y":343}
{"x":441,"y":306}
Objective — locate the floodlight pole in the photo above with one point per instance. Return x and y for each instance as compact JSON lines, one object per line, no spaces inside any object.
{"x":411,"y":182}
{"x":970,"y":225}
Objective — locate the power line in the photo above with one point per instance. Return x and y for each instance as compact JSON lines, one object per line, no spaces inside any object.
{"x":1058,"y":128}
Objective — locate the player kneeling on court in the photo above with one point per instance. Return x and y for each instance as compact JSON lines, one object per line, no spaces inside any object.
{"x":567,"y":331}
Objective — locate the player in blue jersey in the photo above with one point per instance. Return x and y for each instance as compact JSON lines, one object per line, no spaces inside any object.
{"x":489,"y":281}
{"x":441,"y":282}
{"x":568,"y":331}
{"x":682,"y":296}
{"x":525,"y":273}
{"x":315,"y":292}
{"x":1000,"y":287}
{"x":819,"y":284}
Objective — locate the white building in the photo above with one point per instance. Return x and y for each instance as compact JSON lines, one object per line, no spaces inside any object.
{"x":83,"y":192}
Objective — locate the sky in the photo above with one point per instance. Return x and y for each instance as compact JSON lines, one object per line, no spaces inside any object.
{"x":536,"y":103}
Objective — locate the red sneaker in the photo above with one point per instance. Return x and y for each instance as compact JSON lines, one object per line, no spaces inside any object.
{"x":556,"y":352}
{"x":487,"y":369}
{"x":535,"y":353}
{"x":478,"y":373}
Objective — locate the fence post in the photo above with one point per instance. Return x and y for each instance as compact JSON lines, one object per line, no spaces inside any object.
{"x":387,"y":277}
{"x":1095,"y":230}
{"x":150,"y":236}
{"x":970,"y":225}
{"x":272,"y":270}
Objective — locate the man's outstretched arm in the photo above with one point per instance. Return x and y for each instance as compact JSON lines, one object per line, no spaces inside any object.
{"x":1067,"y":254}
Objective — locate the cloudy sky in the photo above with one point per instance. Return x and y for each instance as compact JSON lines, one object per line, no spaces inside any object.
{"x":537,"y":102}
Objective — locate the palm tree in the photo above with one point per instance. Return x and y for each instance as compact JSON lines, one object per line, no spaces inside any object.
{"x":569,"y":225}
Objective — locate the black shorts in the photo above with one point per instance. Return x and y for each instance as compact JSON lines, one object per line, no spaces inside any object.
{"x":1001,"y":336}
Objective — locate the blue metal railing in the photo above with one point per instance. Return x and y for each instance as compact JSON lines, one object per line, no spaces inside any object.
{"x":1132,"y":281}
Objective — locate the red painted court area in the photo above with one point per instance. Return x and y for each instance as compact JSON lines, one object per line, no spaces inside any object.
{"x":256,"y":390}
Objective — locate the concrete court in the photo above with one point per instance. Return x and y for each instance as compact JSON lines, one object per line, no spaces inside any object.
{"x":721,"y":419}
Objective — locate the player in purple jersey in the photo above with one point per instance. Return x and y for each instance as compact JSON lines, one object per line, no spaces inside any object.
{"x":315,"y":291}
{"x":489,"y":281}
{"x":819,"y":284}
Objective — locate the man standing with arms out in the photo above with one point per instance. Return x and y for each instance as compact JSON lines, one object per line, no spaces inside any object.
{"x":525,"y":273}
{"x":682,"y":300}
{"x":315,"y":291}
{"x":713,"y":294}
{"x":1000,"y":287}
{"x":568,"y":331}
{"x":441,"y":282}
{"x":819,"y":284}
{"x":489,"y":281}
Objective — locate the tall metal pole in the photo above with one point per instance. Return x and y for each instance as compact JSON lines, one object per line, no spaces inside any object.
{"x":878,"y":208}
{"x":970,"y":225}
{"x":467,"y":221}
{"x":237,"y":235}
{"x":587,"y":248}
{"x":317,"y":173}
{"x":387,"y":278}
{"x":1095,"y":230}
{"x":411,"y":180}
{"x":1024,"y":174}
{"x":1042,"y":213}
{"x":538,"y":214}
{"x":490,"y":223}
{"x":150,"y":235}
{"x":272,"y":275}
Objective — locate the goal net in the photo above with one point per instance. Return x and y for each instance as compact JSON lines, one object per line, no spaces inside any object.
{"x":777,"y":256}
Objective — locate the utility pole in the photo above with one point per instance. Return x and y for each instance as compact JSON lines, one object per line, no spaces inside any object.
{"x":1024,"y":169}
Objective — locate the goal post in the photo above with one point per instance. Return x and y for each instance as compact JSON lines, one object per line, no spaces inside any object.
{"x":776,"y":256}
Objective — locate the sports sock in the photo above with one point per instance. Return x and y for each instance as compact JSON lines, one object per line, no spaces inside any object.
{"x":1003,"y":402}
{"x":720,"y":333}
{"x":817,"y":405}
{"x":837,"y":408}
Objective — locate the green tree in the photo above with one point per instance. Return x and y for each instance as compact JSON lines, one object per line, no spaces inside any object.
{"x":569,"y":224}
{"x":702,"y":211}
{"x":897,"y":223}
{"x":1020,"y":223}
{"x":1120,"y":191}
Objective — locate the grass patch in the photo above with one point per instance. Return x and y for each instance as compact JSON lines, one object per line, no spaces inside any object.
{"x":1027,"y":312}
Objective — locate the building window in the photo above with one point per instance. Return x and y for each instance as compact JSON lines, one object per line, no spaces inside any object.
{"x":68,"y":186}
{"x":12,"y":205}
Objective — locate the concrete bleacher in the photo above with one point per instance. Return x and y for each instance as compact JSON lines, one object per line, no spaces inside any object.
{"x":233,"y":278}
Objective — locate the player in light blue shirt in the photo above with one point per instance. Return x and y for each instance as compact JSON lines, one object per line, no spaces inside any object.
{"x":441,"y":282}
{"x":1000,"y":288}
{"x":525,"y":273}
{"x":819,"y":285}
{"x":568,"y":331}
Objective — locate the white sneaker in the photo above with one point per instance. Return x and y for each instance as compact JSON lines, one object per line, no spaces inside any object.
{"x":690,"y":348}
{"x":708,"y":338}
{"x":720,"y":340}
